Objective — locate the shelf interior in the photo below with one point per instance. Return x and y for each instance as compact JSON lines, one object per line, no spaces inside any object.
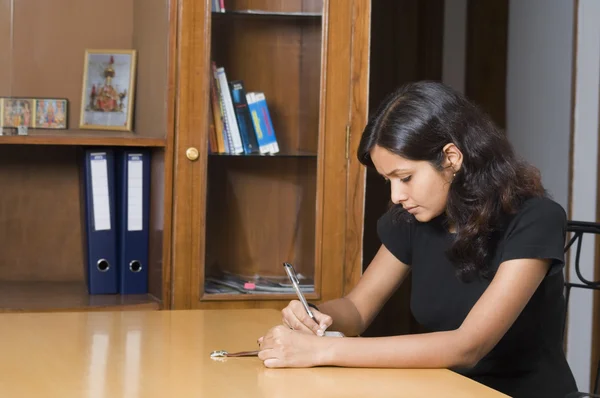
{"x":43,"y":45}
{"x":41,"y":239}
{"x":264,"y":13}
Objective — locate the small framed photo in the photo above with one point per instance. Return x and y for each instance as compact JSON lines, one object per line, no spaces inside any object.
{"x":108,"y":90}
{"x":17,"y":112}
{"x":50,"y":113}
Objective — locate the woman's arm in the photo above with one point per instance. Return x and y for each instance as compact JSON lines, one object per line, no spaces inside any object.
{"x":353,"y":313}
{"x":490,"y":318}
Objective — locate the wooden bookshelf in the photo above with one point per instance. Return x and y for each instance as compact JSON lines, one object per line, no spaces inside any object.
{"x":42,"y":260}
{"x":246,"y":214}
{"x":81,"y":137}
{"x":208,"y":211}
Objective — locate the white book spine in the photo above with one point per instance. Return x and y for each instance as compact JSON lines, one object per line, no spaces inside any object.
{"x":230,"y":112}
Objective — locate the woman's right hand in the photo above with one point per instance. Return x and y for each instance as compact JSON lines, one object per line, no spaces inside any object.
{"x":295,"y":317}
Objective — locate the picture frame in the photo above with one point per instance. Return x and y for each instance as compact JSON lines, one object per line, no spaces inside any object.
{"x":34,"y":113}
{"x":108,"y":90}
{"x":17,"y":112}
{"x":51,"y":113}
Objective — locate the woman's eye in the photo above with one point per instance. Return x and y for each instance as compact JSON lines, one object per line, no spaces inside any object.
{"x":406,"y":179}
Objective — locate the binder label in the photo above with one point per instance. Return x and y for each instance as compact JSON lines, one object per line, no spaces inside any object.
{"x":100,"y":194}
{"x":135,"y":185}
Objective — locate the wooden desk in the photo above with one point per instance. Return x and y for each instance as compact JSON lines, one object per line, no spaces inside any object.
{"x":166,"y":354}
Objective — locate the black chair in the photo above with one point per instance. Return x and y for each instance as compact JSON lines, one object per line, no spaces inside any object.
{"x":579,"y":228}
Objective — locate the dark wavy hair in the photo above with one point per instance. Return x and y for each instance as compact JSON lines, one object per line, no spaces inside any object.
{"x":416,"y":122}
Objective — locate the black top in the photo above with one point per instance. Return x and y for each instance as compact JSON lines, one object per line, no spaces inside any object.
{"x":529,"y":360}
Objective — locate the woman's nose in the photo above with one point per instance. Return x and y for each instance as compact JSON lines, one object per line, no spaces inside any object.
{"x":398,"y":194}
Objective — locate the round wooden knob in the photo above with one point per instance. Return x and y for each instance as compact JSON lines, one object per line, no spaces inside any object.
{"x":192,"y":154}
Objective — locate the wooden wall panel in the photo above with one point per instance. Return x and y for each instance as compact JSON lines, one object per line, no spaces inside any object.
{"x":44,"y":65}
{"x":487,"y":41}
{"x":5,"y":46}
{"x":406,"y":45}
{"x":40,"y":235}
{"x":261,"y":211}
{"x":151,"y":39}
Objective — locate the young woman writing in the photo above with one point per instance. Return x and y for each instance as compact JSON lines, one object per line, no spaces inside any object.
{"x":473,"y":228}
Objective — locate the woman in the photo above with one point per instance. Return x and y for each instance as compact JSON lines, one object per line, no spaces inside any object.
{"x":482,"y":242}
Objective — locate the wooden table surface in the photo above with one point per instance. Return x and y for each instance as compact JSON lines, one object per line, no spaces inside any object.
{"x":167,"y":354}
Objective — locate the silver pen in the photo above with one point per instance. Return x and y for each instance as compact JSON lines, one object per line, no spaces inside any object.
{"x":289,"y":269}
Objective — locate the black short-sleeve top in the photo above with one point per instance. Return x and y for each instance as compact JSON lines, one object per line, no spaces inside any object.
{"x":529,"y":360}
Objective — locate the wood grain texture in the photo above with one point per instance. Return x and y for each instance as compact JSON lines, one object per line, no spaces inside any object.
{"x":260,"y":212}
{"x":276,"y":5}
{"x":161,"y":217}
{"x":81,"y":137}
{"x":167,"y":354}
{"x":359,"y":85}
{"x":191,"y":119}
{"x":40,"y":232}
{"x":151,"y":38}
{"x":332,"y":173}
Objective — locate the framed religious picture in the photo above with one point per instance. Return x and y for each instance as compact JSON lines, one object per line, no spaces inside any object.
{"x":108,"y":90}
{"x":50,"y":113}
{"x":17,"y":112}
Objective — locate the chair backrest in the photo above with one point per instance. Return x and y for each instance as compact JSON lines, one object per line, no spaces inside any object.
{"x":578,"y":229}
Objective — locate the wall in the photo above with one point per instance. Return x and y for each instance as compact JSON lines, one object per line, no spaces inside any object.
{"x":584,"y":183}
{"x":541,"y":81}
{"x":538,"y":87}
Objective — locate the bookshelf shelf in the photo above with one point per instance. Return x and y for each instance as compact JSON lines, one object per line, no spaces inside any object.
{"x":263,"y":13}
{"x":81,"y":137}
{"x":299,"y":154}
{"x":261,"y":296}
{"x":66,"y":296}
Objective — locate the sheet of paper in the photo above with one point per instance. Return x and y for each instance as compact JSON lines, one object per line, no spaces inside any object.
{"x":135,"y":186}
{"x":100,"y":193}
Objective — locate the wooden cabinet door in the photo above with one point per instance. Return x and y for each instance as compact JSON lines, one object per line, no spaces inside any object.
{"x":244,"y":215}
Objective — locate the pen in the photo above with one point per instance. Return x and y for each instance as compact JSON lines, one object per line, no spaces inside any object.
{"x":289,"y":269}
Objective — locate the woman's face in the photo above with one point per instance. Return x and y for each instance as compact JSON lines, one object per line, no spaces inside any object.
{"x":416,"y":185}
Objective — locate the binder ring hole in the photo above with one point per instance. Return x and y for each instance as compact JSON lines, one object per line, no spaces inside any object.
{"x":135,"y":266}
{"x":103,"y":265}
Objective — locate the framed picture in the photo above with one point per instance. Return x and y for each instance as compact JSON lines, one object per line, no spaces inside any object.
{"x":17,"y":112}
{"x":108,"y":90}
{"x":50,"y":113}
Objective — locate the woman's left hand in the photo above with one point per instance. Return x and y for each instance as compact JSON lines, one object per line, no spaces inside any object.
{"x":282,"y":347}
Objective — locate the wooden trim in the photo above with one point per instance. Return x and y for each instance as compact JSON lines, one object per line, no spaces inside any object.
{"x":78,"y":137}
{"x":169,"y":154}
{"x":332,"y":171}
{"x":359,"y":107}
{"x":191,"y":116}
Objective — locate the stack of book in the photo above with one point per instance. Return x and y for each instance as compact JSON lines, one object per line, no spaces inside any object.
{"x":241,"y":123}
{"x":230,"y":283}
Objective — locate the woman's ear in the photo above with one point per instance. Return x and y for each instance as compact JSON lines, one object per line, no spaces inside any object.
{"x":453,"y":157}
